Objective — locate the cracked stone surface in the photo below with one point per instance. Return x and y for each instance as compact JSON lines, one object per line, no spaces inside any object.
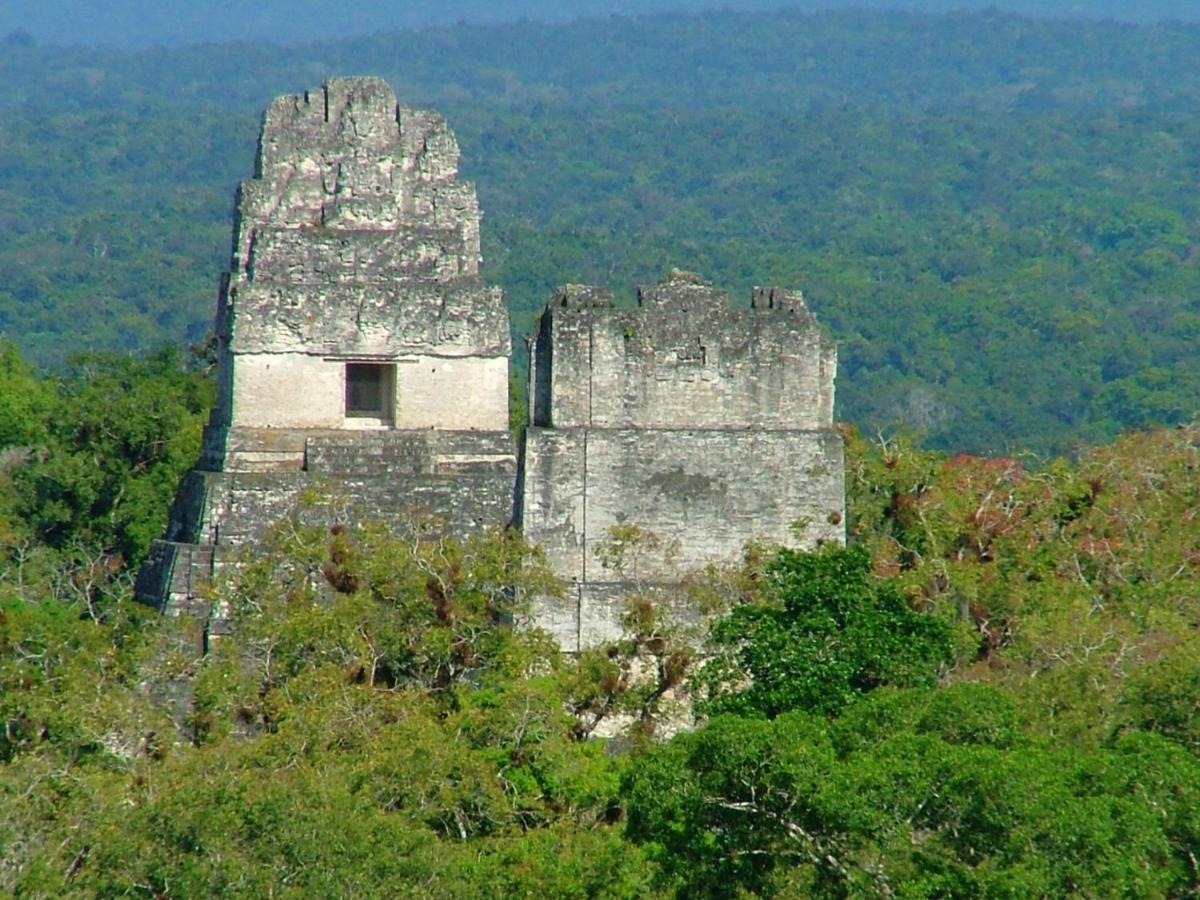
{"x":356,"y":246}
{"x":706,"y":424}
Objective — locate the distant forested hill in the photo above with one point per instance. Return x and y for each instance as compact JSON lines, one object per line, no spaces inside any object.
{"x":996,"y":216}
{"x":132,"y":23}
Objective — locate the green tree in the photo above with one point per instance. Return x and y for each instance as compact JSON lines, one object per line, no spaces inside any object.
{"x":828,"y":633}
{"x":1164,"y":696}
{"x":24,"y":402}
{"x":119,"y":434}
{"x":902,"y":797}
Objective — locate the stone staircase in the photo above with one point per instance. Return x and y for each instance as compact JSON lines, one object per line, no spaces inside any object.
{"x":463,"y":479}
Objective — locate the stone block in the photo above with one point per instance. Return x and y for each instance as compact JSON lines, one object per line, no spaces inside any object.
{"x":361,"y":356}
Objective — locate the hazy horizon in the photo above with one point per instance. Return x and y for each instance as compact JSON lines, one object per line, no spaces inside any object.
{"x":129,"y":23}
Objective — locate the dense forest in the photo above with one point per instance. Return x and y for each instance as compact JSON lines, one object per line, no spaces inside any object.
{"x":990,"y":691}
{"x":132,"y":23}
{"x":996,"y":217}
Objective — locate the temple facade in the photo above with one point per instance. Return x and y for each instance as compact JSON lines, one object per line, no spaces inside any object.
{"x":359,"y":350}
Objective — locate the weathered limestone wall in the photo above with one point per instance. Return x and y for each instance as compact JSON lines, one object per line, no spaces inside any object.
{"x":296,"y":390}
{"x":370,"y":319}
{"x":451,"y":392}
{"x":706,"y":425}
{"x":355,"y":243}
{"x":348,"y":155}
{"x":386,"y":473}
{"x":710,"y":490}
{"x":288,"y":390}
{"x":463,"y":479}
{"x":685,"y":359}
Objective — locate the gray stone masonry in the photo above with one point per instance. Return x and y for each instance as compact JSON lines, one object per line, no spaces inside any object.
{"x":354,"y":244}
{"x":360,"y":351}
{"x":706,"y":425}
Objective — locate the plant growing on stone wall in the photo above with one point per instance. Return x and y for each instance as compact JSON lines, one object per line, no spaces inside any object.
{"x":389,"y":607}
{"x":638,"y":682}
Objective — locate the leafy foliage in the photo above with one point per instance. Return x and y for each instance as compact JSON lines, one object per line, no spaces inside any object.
{"x":991,"y":692}
{"x":24,"y":403}
{"x":89,"y":463}
{"x":801,"y":805}
{"x":995,"y":216}
{"x":121,"y":433}
{"x":827,"y":634}
{"x":372,"y":721}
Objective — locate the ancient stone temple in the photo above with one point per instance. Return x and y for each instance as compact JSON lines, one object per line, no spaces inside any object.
{"x":358,"y":345}
{"x":360,"y":351}
{"x":704,"y":424}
